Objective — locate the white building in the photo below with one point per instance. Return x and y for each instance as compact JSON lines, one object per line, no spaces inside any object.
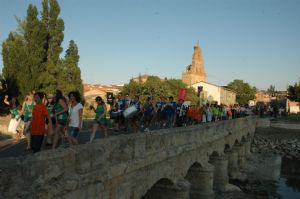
{"x":211,"y":92}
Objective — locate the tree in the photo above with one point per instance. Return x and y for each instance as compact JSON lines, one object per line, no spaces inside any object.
{"x":31,"y":55}
{"x":271,"y":90}
{"x":35,"y":39}
{"x":2,"y":94}
{"x":255,"y":89}
{"x":152,"y":87}
{"x":244,"y":92}
{"x":13,"y":58}
{"x":155,"y":87}
{"x":294,"y":92}
{"x":54,"y":39}
{"x":71,"y":74}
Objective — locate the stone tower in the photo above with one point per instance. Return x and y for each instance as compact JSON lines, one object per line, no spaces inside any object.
{"x":195,"y":72}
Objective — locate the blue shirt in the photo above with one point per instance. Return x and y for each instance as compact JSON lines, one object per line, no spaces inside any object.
{"x":121,"y":105}
{"x":170,"y":108}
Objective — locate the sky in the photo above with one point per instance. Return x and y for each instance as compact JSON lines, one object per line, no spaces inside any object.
{"x":257,"y":41}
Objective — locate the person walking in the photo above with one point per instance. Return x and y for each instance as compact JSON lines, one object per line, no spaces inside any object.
{"x":15,"y":111}
{"x":134,"y":120}
{"x":120,"y":106}
{"x":39,"y":116}
{"x":148,"y":110}
{"x":75,"y":117}
{"x":180,"y":113}
{"x":100,"y":118}
{"x":61,"y":116}
{"x":170,"y":109}
{"x":27,"y":113}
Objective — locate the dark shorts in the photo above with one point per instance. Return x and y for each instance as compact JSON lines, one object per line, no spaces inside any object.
{"x":27,"y":119}
{"x":73,"y":131}
{"x":62,"y":122}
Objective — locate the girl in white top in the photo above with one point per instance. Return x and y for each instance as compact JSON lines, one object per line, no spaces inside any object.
{"x":75,"y":117}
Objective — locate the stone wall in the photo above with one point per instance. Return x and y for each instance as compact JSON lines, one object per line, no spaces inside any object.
{"x":128,"y":166}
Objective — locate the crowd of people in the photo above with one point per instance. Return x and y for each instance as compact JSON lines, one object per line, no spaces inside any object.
{"x":57,"y":119}
{"x":163,"y":112}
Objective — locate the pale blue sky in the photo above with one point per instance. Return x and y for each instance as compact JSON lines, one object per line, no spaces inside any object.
{"x":254,"y":40}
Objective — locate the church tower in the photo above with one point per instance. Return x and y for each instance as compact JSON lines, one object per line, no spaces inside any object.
{"x":195,"y":72}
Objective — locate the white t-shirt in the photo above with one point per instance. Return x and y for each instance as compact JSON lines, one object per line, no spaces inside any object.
{"x":74,"y":115}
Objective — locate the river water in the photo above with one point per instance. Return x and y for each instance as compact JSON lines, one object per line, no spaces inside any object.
{"x":289,"y":182}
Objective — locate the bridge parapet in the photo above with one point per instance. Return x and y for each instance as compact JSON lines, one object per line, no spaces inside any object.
{"x":124,"y":166}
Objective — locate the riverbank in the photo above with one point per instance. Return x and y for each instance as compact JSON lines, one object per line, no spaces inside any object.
{"x":285,"y":142}
{"x":280,"y":142}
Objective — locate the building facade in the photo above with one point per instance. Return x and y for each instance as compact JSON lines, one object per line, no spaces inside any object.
{"x":214,"y":93}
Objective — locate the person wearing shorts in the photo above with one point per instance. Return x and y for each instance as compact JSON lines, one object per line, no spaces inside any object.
{"x":75,"y":117}
{"x":61,"y":115}
{"x":100,"y":118}
{"x":27,"y":113}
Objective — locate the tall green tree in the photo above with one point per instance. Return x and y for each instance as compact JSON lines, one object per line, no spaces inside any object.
{"x":55,"y":27}
{"x":71,"y":74}
{"x":244,"y":92}
{"x":271,"y":90}
{"x":35,"y":39}
{"x":31,"y":54}
{"x":13,"y":55}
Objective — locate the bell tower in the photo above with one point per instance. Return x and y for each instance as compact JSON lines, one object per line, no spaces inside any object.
{"x":195,"y":72}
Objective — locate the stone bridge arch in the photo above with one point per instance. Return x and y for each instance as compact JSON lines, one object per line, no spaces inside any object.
{"x":163,"y":188}
{"x":201,"y":179}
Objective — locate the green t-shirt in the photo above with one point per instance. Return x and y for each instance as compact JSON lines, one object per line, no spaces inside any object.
{"x":99,"y":111}
{"x":28,"y":110}
{"x":62,"y":116}
{"x":215,"y":111}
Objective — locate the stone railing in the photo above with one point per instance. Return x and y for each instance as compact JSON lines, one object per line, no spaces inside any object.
{"x":114,"y":165}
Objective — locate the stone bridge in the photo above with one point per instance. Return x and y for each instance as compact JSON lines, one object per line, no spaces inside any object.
{"x":178,"y":163}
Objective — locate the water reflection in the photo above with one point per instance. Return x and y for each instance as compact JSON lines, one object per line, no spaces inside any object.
{"x":289,"y":183}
